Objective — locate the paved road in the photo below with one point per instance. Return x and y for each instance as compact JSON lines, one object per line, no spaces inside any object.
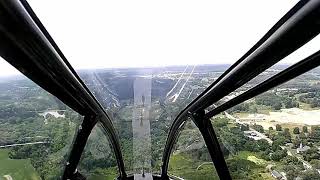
{"x":262,"y":136}
{"x":8,"y":177}
{"x":306,"y":164}
{"x":203,"y":164}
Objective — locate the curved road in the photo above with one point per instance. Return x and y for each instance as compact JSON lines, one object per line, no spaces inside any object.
{"x":7,"y":177}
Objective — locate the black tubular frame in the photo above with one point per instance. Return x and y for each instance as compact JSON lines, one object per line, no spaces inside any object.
{"x":78,"y":146}
{"x":26,"y":44}
{"x":211,"y":140}
{"x":291,"y":72}
{"x":292,"y":31}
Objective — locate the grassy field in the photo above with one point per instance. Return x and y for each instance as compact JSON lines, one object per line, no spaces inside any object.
{"x":251,"y":156}
{"x":254,"y":157}
{"x":182,"y":165}
{"x":18,"y":169}
{"x":101,"y":177}
{"x":103,"y":174}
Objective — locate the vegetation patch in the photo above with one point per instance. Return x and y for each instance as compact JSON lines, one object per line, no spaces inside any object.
{"x":183,"y":165}
{"x":256,"y":160}
{"x":18,"y":169}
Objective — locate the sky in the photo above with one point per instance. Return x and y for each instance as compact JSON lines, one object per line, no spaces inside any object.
{"x":139,"y":33}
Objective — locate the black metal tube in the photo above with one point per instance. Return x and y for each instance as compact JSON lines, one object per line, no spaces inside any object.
{"x":26,"y":45}
{"x":52,"y":42}
{"x":113,"y":142}
{"x":212,"y":144}
{"x":80,"y":141}
{"x":300,"y":28}
{"x":292,"y":31}
{"x":104,"y":119}
{"x":293,"y":71}
{"x":258,"y":44}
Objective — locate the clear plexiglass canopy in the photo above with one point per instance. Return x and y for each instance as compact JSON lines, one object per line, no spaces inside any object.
{"x":146,"y":61}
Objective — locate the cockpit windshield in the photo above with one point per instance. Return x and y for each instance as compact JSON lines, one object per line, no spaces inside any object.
{"x":145,"y":62}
